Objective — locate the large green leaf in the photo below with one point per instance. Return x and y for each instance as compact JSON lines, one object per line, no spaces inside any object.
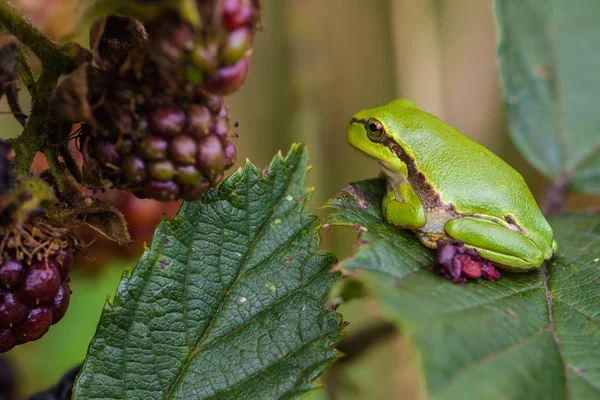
{"x":227,"y":302}
{"x":548,"y":51}
{"x":533,"y":335}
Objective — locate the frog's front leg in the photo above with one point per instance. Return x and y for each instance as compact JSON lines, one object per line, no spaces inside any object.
{"x":402,"y":207}
{"x":498,"y":243}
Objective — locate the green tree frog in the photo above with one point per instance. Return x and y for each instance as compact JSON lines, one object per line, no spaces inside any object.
{"x":444,"y":186}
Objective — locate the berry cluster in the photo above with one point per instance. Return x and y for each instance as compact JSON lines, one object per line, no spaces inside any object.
{"x":33,"y":297}
{"x":35,"y":259}
{"x":160,"y":129}
{"x":160,"y":150}
{"x":222,"y":58}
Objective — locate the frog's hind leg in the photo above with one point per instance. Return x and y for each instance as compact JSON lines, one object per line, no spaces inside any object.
{"x":495,"y":242}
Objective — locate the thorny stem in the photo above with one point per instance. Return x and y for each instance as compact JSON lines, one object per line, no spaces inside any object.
{"x":51,"y":154}
{"x":35,"y":135}
{"x":26,"y":73}
{"x":47,"y":51}
{"x":55,"y":60}
{"x":65,"y":152}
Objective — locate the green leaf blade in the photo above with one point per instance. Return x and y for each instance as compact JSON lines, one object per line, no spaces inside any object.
{"x":548,"y":65}
{"x":228,"y":300}
{"x":525,"y":336}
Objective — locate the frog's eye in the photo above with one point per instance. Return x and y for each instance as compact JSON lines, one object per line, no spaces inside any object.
{"x":375,"y":130}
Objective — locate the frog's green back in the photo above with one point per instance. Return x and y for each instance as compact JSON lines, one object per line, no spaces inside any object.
{"x":464,"y":172}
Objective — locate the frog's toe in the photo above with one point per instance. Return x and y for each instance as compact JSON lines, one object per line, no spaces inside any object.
{"x":554,"y":248}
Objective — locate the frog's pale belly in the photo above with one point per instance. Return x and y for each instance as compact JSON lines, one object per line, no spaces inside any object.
{"x":436,"y":220}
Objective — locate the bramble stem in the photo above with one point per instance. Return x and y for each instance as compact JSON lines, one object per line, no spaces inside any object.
{"x":556,"y":196}
{"x":35,"y":136}
{"x":26,"y":74}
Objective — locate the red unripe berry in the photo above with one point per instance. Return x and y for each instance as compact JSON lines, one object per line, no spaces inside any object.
{"x":229,"y":79}
{"x":236,"y":13}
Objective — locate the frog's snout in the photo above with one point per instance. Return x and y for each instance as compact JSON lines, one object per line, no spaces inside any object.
{"x":355,"y":132}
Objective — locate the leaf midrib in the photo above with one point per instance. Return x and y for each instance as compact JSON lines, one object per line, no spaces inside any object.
{"x":259,"y":234}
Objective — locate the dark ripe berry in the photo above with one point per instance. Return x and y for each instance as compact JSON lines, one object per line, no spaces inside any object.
{"x":199,"y":120}
{"x":154,"y":148}
{"x":183,"y":150}
{"x":161,"y":190}
{"x":196,"y":191}
{"x":188,"y":175}
{"x":64,"y":262}
{"x":167,"y":120}
{"x":35,"y":326}
{"x":61,"y":303}
{"x":221,"y":128}
{"x":12,"y":311}
{"x":205,"y":56}
{"x":10,"y":273}
{"x":236,"y":45}
{"x":236,"y":13}
{"x":40,"y":284}
{"x":211,"y":157}
{"x":134,"y":169}
{"x":106,"y":151}
{"x":229,"y":79}
{"x":7,"y":340}
{"x":162,"y":170}
{"x":230,"y":154}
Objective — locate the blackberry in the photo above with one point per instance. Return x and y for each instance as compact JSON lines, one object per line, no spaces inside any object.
{"x":35,"y":260}
{"x":32,"y":297}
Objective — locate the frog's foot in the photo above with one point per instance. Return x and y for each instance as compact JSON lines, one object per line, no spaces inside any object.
{"x":457,"y":262}
{"x":504,"y":247}
{"x":431,"y":240}
{"x":407,"y":213}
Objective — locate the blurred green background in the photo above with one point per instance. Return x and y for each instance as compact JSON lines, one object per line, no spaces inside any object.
{"x":315,"y":64}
